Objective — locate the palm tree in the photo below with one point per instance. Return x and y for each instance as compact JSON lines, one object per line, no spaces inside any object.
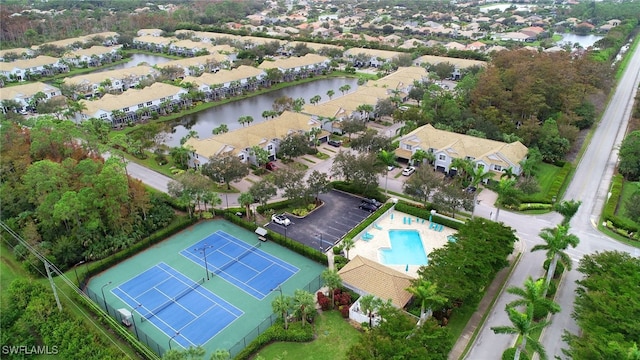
{"x":344,"y":88}
{"x":388,"y":158}
{"x":347,"y":244}
{"x":330,"y":93}
{"x":303,"y":304}
{"x":369,"y":304}
{"x":246,"y":199}
{"x":315,"y":100}
{"x":332,"y":281}
{"x":313,"y":133}
{"x":524,"y":326}
{"x":419,"y":156}
{"x":223,"y":128}
{"x":567,"y":208}
{"x":508,"y":174}
{"x":556,"y":241}
{"x":426,"y":293}
{"x":281,"y":305}
{"x":532,"y":294}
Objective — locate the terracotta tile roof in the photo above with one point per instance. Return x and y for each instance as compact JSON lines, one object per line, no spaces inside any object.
{"x":378,"y":280}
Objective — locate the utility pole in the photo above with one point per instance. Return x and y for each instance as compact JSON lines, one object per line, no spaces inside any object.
{"x":53,"y":286}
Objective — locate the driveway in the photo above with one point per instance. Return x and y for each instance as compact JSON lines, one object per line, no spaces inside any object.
{"x":324,"y":227}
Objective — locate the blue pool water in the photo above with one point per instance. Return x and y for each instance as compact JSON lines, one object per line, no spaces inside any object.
{"x":406,"y":249}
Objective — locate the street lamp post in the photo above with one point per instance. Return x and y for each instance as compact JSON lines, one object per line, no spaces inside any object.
{"x":285,"y":232}
{"x":177,"y":333}
{"x":75,"y":270}
{"x":104,"y":299}
{"x":321,"y":243}
{"x":279,"y":288}
{"x":203,"y":250}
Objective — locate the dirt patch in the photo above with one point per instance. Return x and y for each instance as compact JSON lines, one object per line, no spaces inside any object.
{"x":572,"y":155}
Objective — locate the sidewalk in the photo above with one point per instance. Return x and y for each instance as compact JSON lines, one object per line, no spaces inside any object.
{"x":493,"y":291}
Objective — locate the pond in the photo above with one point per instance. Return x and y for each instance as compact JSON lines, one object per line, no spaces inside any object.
{"x":205,"y":121}
{"x":137,"y":59}
{"x":584,"y":40}
{"x":503,"y":7}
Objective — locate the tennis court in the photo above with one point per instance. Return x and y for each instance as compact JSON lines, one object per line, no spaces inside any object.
{"x":172,"y":303}
{"x":176,"y":305}
{"x":247,"y":267}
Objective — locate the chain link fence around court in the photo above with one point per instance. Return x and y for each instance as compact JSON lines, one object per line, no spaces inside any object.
{"x":313,"y":286}
{"x":140,"y":335}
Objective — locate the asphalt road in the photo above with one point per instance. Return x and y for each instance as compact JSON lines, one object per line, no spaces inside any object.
{"x":590,"y":185}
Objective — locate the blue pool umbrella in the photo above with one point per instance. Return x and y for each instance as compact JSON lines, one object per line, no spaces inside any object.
{"x":407,"y":268}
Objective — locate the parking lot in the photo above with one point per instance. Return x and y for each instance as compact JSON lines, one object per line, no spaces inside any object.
{"x":326,"y":225}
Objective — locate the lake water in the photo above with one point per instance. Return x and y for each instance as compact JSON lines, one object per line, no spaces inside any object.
{"x":584,"y":40}
{"x":137,"y":59}
{"x":205,"y":121}
{"x":503,"y":7}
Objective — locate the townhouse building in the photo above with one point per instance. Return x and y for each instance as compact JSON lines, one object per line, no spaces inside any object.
{"x":22,"y":70}
{"x":95,"y":84}
{"x":298,"y":67}
{"x":491,"y":155}
{"x":24,"y":94}
{"x":267,"y":135}
{"x":121,"y":109}
{"x":227,"y":83}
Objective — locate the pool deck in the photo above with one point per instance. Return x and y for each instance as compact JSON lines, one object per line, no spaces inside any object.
{"x":431,"y":239}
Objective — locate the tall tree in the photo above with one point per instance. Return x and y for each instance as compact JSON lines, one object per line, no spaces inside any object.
{"x":318,"y":183}
{"x":282,"y":305}
{"x":523,"y":326}
{"x":332,"y":281}
{"x":557,"y":240}
{"x":532,"y":295}
{"x":388,"y":158}
{"x":262,"y":191}
{"x":303,"y":305}
{"x":369,"y":304}
{"x":246,"y":199}
{"x":226,"y":168}
{"x":423,"y":182}
{"x":427,"y":294}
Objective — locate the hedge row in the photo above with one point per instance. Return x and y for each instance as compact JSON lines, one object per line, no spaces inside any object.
{"x":368,"y":221}
{"x":534,"y":206}
{"x":291,"y":244}
{"x":277,"y":205}
{"x":620,"y":225}
{"x":179,"y":224}
{"x":352,"y":189}
{"x":295,"y":333}
{"x":424,"y":213}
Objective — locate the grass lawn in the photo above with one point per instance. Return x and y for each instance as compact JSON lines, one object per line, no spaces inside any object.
{"x":334,"y":336}
{"x":308,"y":160}
{"x":321,"y":156}
{"x":546,"y":174}
{"x":9,"y":270}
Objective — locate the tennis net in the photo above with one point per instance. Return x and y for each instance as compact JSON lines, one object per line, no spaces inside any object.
{"x":162,"y":306}
{"x":236,"y":259}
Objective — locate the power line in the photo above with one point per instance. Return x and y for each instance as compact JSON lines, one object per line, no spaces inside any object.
{"x":50,"y":266}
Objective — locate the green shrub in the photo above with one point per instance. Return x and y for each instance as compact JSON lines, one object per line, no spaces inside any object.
{"x":553,"y":287}
{"x":424,"y":213}
{"x":177,"y":225}
{"x":510,"y":354}
{"x":558,"y":182}
{"x":368,"y":221}
{"x":619,"y":225}
{"x":337,"y":249}
{"x":352,"y":189}
{"x":340,"y":261}
{"x":534,"y":206}
{"x":295,"y":333}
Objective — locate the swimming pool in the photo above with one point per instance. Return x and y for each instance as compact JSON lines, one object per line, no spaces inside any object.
{"x":406,"y":249}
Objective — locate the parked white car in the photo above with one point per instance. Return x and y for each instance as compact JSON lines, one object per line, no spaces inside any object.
{"x":280,"y":219}
{"x":408,"y":170}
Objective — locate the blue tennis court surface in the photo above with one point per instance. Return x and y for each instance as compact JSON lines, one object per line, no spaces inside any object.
{"x":245,"y":266}
{"x":178,"y":306}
